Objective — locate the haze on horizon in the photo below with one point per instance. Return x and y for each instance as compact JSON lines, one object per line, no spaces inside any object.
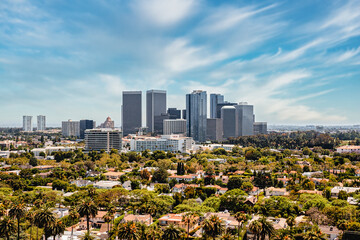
{"x":297,"y":62}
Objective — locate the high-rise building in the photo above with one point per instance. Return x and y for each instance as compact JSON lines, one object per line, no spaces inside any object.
{"x":174,"y":113}
{"x":229,"y":117}
{"x":85,"y":124}
{"x":70,"y":128}
{"x":102,"y":139}
{"x":245,"y":119}
{"x":41,"y":123}
{"x":159,"y":122}
{"x":196,"y":115}
{"x":260,"y":128}
{"x":131,"y":112}
{"x":214,"y":129}
{"x":215,"y":99}
{"x":155,"y":107}
{"x":220,"y":105}
{"x":174,"y":126}
{"x":184,"y":114}
{"x":108,"y":123}
{"x":27,"y":123}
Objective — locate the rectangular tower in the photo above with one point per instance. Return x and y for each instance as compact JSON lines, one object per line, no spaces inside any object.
{"x":245,"y":119}
{"x":70,"y":128}
{"x":196,"y":115}
{"x":215,"y":99}
{"x":155,"y":109}
{"x":27,"y":123}
{"x":131,"y":112}
{"x":85,"y":124}
{"x":41,"y":123}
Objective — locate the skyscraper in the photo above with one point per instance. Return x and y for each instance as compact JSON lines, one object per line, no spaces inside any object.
{"x":174,"y":126}
{"x":131,"y":112}
{"x":214,"y":129}
{"x":220,"y":105}
{"x":41,"y":123}
{"x":174,"y":113}
{"x":196,"y":114}
{"x":245,"y":119}
{"x":102,"y":139}
{"x":229,"y":117}
{"x":215,"y":99}
{"x":70,"y":128}
{"x":155,"y":109}
{"x":260,"y":128}
{"x":27,"y":123}
{"x":85,"y":124}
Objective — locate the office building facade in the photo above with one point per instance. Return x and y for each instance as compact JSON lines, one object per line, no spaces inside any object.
{"x":41,"y":123}
{"x":229,"y":117}
{"x":184,"y":114}
{"x":70,"y":128}
{"x":167,"y":143}
{"x":196,"y":115}
{"x":215,"y":99}
{"x":84,"y":125}
{"x":174,"y":126}
{"x":260,"y":128}
{"x":214,"y":129}
{"x":219,"y":106}
{"x":103,"y":139}
{"x":131,"y":112}
{"x":27,"y":123}
{"x":155,"y":108}
{"x":174,"y":113}
{"x":245,"y":119}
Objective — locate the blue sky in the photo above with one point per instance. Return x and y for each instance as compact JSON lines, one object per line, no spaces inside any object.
{"x":298,"y":62}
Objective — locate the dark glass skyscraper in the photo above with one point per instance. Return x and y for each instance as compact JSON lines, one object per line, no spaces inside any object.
{"x":155,"y":109}
{"x":196,"y":114}
{"x":131,"y":112}
{"x":85,"y":124}
{"x":174,"y":113}
{"x":215,"y":99}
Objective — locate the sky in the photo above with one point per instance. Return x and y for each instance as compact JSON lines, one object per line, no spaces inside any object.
{"x":297,"y":62}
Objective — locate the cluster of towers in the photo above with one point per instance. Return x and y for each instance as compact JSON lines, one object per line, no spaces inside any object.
{"x":28,"y":126}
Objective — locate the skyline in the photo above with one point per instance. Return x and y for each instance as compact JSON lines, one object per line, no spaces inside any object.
{"x":73,"y":60}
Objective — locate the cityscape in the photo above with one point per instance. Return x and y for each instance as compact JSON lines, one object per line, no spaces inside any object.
{"x":179,"y":120}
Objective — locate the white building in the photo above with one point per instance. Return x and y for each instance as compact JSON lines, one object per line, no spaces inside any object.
{"x":102,"y":139}
{"x":70,"y":128}
{"x":168,"y":143}
{"x":50,"y":150}
{"x":348,"y":149}
{"x":174,"y":126}
{"x":106,"y":184}
{"x":27,"y":123}
{"x":335,"y":191}
{"x":41,"y":123}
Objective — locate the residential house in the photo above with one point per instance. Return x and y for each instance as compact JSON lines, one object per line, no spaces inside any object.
{"x":271,"y":191}
{"x":145,"y":219}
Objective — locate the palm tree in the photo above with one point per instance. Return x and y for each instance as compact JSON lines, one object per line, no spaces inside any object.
{"x":55,"y":229}
{"x":314,"y":234}
{"x":267,"y":228}
{"x":7,"y":226}
{"x":17,"y":211}
{"x":30,"y":216}
{"x":255,"y":227}
{"x":107,"y":218}
{"x":213,"y":226}
{"x":290,"y":221}
{"x":172,"y":232}
{"x":240,"y":218}
{"x":128,"y":231}
{"x":87,"y":209}
{"x":153,"y":232}
{"x":73,"y":216}
{"x":44,"y":218}
{"x":189,"y":220}
{"x":87,"y":236}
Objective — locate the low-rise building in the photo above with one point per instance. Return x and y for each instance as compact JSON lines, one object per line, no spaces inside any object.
{"x":335,"y":190}
{"x":271,"y":191}
{"x":348,"y":149}
{"x":145,"y":219}
{"x":113,"y":176}
{"x":167,"y":143}
{"x":106,"y":184}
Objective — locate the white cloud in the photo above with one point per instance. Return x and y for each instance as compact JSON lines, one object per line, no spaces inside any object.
{"x":164,"y":12}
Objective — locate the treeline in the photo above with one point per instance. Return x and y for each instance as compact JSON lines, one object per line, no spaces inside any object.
{"x":293,"y":140}
{"x":348,"y":135}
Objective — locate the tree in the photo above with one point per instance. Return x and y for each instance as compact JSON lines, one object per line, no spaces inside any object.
{"x":73,"y":216}
{"x":234,"y":182}
{"x":87,"y":209}
{"x":189,"y":220}
{"x":213,"y":226}
{"x":241,"y":218}
{"x":343,"y":195}
{"x":128,"y":230}
{"x":255,"y":227}
{"x":55,"y":229}
{"x":17,"y":211}
{"x":267,"y":228}
{"x":87,"y":236}
{"x":145,"y":174}
{"x":108,"y":217}
{"x":172,"y":233}
{"x":44,"y":218}
{"x":30,"y":216}
{"x":160,"y":175}
{"x":314,"y":234}
{"x":7,"y":227}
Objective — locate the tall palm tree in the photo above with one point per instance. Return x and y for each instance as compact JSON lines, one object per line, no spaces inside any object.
{"x":189,"y":220}
{"x":267,"y":228}
{"x":108,"y":218}
{"x":7,"y":226}
{"x":255,"y":227}
{"x":213,"y":226}
{"x":44,"y":218}
{"x":57,"y":228}
{"x":17,"y":211}
{"x":30,"y":216}
{"x":153,"y":232}
{"x":240,"y":218}
{"x":87,"y":209}
{"x":128,"y":231}
{"x":73,"y":216}
{"x":172,"y":232}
